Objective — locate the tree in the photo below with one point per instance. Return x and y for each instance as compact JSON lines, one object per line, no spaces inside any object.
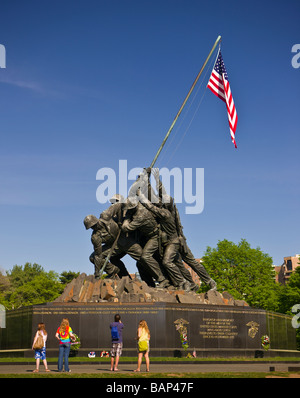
{"x":67,"y":277}
{"x":4,"y":287}
{"x":244,"y":272}
{"x":4,"y":282}
{"x":30,"y":284}
{"x":20,"y":275}
{"x":290,"y":296}
{"x":290,"y":292}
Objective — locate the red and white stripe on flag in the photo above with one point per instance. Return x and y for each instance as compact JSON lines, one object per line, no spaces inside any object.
{"x":218,"y":83}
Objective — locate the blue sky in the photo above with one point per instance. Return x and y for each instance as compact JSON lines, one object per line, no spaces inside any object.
{"x":89,"y":83}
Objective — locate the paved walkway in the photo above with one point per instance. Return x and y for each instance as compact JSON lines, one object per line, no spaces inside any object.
{"x":157,"y":367}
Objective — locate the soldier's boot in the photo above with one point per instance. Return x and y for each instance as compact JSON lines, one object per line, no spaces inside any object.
{"x":164,"y":283}
{"x":112,"y":272}
{"x":212,"y":284}
{"x":194,"y":287}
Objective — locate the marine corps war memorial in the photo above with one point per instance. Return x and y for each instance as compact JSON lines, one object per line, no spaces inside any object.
{"x":146,"y":226}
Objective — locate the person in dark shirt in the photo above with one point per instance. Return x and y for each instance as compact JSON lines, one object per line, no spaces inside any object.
{"x":116,"y":328}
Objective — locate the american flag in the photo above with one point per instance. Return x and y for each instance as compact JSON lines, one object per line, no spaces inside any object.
{"x":218,"y":83}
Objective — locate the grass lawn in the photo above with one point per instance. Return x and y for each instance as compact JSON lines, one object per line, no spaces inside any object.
{"x":130,"y":375}
{"x":155,"y":376}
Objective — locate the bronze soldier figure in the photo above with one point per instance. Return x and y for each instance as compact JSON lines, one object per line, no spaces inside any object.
{"x":127,"y":243}
{"x":185,"y":252}
{"x":143,"y":221}
{"x":169,"y":239}
{"x":103,"y":236}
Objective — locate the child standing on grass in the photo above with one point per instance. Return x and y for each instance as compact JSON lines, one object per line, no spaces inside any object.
{"x":40,"y":354}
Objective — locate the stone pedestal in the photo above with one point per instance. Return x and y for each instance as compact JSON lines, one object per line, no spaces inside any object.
{"x":212,"y":330}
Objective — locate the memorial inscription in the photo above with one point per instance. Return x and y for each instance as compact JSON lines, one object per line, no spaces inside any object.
{"x":210,"y":329}
{"x":215,"y":328}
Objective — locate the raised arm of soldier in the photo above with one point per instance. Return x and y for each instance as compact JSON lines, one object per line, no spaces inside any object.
{"x":159,"y":212}
{"x":159,"y":185}
{"x":141,"y":183}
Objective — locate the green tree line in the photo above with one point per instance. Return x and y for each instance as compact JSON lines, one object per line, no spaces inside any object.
{"x":248,"y":274}
{"x":31,"y":284}
{"x":244,"y":272}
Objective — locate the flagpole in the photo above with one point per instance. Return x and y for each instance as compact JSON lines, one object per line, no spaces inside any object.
{"x":184,"y":102}
{"x":165,"y":139}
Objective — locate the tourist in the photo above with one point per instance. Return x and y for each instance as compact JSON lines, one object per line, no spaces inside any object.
{"x":40,"y":339}
{"x":64,"y":334}
{"x":116,"y":329}
{"x":143,"y":337}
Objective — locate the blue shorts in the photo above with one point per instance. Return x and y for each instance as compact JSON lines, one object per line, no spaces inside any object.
{"x":40,"y":354}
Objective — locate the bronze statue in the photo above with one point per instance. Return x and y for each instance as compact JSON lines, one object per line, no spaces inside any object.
{"x":146,"y":226}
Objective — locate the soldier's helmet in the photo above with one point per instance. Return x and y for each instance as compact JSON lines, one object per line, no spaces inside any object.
{"x":131,"y":203}
{"x":90,"y":221}
{"x":117,"y":198}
